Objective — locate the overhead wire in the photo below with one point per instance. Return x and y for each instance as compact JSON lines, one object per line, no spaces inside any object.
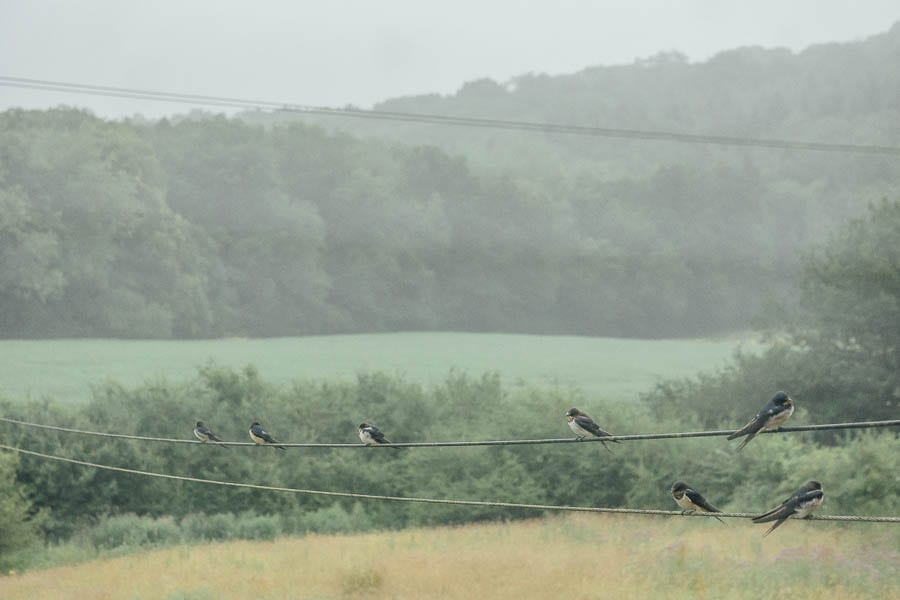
{"x":438,"y":119}
{"x":521,"y":442}
{"x":482,"y":503}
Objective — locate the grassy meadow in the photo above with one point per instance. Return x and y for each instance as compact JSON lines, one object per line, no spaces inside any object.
{"x":577,"y":556}
{"x":616,"y":368}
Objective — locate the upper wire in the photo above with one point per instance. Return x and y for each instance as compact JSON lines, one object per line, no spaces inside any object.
{"x":437,"y":119}
{"x":569,"y":440}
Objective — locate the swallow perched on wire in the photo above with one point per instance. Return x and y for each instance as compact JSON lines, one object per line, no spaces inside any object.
{"x":584,"y":426}
{"x":800,"y":505}
{"x":205,"y":434}
{"x":772,"y":416}
{"x":690,"y":500}
{"x":261,"y":437}
{"x":372,"y":436}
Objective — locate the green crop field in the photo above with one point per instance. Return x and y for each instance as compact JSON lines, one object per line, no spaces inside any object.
{"x":579,"y":556}
{"x":615,"y":368}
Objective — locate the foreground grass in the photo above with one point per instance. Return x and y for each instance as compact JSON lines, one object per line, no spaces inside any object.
{"x":617,"y":368}
{"x":580,"y":556}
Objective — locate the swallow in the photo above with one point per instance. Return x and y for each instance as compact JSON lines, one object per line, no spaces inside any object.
{"x":691,"y":500}
{"x":800,"y":505}
{"x":261,"y":436}
{"x":772,"y":416}
{"x":584,"y":426}
{"x":372,"y":436}
{"x":205,"y":434}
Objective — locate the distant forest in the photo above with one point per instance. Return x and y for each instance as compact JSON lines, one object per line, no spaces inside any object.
{"x":261,"y":225}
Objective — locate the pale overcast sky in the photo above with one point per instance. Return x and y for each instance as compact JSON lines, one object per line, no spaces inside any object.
{"x":359,"y":52}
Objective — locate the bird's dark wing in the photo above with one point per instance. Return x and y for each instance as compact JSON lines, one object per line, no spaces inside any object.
{"x":747,"y":440}
{"x":377,"y":435}
{"x":789,"y":506}
{"x":208,"y":433}
{"x":786,"y":509}
{"x":264,"y":435}
{"x":755,"y":424}
{"x":588,"y":424}
{"x":775,"y":526}
{"x":759,"y":421}
{"x":698,"y":499}
{"x":782,"y":511}
{"x":745,"y":429}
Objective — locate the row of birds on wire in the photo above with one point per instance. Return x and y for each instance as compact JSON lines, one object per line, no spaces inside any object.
{"x":771,"y":416}
{"x":799,"y":505}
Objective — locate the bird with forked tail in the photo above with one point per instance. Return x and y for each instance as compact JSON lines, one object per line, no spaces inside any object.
{"x":584,"y":426}
{"x":372,"y":436}
{"x":261,"y":437}
{"x":772,"y":416}
{"x":800,"y":505}
{"x":205,"y":434}
{"x":690,"y":500}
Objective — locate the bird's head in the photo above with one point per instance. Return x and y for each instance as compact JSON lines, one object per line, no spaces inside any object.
{"x":201,"y":424}
{"x":573,"y":412}
{"x":812,"y":484}
{"x":679,"y":486}
{"x":364,"y":425}
{"x":254,"y":424}
{"x":781,"y":398}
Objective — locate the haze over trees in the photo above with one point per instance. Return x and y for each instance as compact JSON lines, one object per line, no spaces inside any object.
{"x":208,"y":226}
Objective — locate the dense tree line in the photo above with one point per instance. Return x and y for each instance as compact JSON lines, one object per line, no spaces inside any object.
{"x":214,"y":227}
{"x":258,"y":226}
{"x":836,"y":355}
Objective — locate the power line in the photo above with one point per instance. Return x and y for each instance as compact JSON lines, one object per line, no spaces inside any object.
{"x":569,"y":440}
{"x":436,"y":119}
{"x":641,"y":511}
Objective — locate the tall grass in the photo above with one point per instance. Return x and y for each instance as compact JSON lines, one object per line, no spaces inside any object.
{"x":579,"y":556}
{"x":616,"y":368}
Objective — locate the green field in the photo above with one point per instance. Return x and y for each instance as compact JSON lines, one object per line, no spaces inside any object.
{"x":618,"y":369}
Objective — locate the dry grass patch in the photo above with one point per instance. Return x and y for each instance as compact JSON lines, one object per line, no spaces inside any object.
{"x":579,"y":556}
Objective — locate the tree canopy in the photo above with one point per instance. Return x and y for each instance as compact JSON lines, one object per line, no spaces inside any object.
{"x":264,"y":226}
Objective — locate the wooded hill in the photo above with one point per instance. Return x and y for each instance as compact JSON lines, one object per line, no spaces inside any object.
{"x":207,"y":226}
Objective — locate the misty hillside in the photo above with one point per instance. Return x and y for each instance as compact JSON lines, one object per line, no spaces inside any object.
{"x":260,"y":226}
{"x":839,"y":92}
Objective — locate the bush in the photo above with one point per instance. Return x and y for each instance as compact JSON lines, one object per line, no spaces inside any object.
{"x":17,"y":530}
{"x":209,"y":528}
{"x":334,"y":519}
{"x":133,"y":531}
{"x":251,"y":526}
